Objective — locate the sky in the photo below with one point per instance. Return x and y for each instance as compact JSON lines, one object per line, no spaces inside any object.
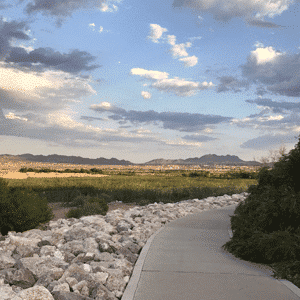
{"x":141,"y":80}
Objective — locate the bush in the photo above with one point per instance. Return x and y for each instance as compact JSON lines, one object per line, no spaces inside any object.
{"x":87,"y":206}
{"x":266,"y":226}
{"x":21,"y":210}
{"x":95,"y":170}
{"x":199,"y":174}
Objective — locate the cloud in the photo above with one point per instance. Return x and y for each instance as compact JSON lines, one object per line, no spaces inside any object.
{"x":274,"y":117}
{"x":149,"y":74}
{"x":177,"y":86}
{"x":277,"y":72}
{"x":141,"y":131}
{"x":46,"y":58}
{"x":177,"y":50}
{"x":180,"y":87}
{"x":39,"y":59}
{"x":225,"y":10}
{"x":156,"y":32}
{"x":275,"y":106}
{"x":262,"y":23}
{"x":189,"y":61}
{"x":90,"y":119}
{"x":106,"y":107}
{"x":92,"y":25}
{"x":198,"y":138}
{"x":269,"y":141}
{"x":51,"y":120}
{"x":263,"y":55}
{"x":62,"y":9}
{"x":195,"y":38}
{"x":60,"y":128}
{"x":46,"y":91}
{"x":39,"y":106}
{"x":146,"y":95}
{"x":10,"y":31}
{"x":12,"y":116}
{"x":229,"y":83}
{"x":185,"y":122}
{"x":105,"y":7}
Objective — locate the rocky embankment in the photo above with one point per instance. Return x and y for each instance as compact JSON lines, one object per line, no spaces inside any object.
{"x":88,"y":258}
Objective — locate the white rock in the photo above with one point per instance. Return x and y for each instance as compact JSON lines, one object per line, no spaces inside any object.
{"x":93,"y":255}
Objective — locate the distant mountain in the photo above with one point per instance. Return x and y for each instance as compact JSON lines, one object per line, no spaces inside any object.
{"x":54,"y":158}
{"x":209,"y":159}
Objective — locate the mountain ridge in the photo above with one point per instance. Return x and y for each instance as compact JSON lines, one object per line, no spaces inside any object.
{"x":208,"y":159}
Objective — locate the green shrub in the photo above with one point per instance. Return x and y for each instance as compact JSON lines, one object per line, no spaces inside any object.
{"x":77,"y":201}
{"x":87,"y":206}
{"x":199,"y":174}
{"x":95,"y":170}
{"x":21,"y":210}
{"x":266,"y":226}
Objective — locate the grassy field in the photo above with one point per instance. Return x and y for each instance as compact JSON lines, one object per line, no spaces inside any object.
{"x":128,"y":186}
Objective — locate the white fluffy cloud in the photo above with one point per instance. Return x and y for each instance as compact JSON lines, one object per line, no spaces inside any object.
{"x":177,"y":50}
{"x":189,"y":61}
{"x":149,"y":74}
{"x":264,"y":55}
{"x":180,"y":49}
{"x":180,"y":87}
{"x":146,"y":95}
{"x":156,"y":32}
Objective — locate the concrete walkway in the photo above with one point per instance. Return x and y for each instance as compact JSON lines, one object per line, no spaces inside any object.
{"x":184,"y":261}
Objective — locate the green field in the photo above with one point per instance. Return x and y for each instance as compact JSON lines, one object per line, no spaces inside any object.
{"x":129,"y":187}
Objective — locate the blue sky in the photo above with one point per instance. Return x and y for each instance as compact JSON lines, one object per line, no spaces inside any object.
{"x":140,"y":80}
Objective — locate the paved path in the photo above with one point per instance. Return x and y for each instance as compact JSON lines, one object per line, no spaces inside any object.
{"x":184,"y":261}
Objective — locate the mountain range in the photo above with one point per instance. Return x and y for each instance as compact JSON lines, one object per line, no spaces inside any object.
{"x":209,"y":159}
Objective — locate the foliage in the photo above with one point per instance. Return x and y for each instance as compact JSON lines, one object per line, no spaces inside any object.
{"x":86,"y":206}
{"x":47,"y":170}
{"x":228,"y":175}
{"x":198,"y":174}
{"x":266,"y":226}
{"x":127,"y":189}
{"x":21,"y":210}
{"x":240,"y":174}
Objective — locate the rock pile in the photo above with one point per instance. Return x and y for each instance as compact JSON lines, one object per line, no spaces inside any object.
{"x":87,"y":258}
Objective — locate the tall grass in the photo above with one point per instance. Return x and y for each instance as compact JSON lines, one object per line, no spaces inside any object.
{"x":161,"y":187}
